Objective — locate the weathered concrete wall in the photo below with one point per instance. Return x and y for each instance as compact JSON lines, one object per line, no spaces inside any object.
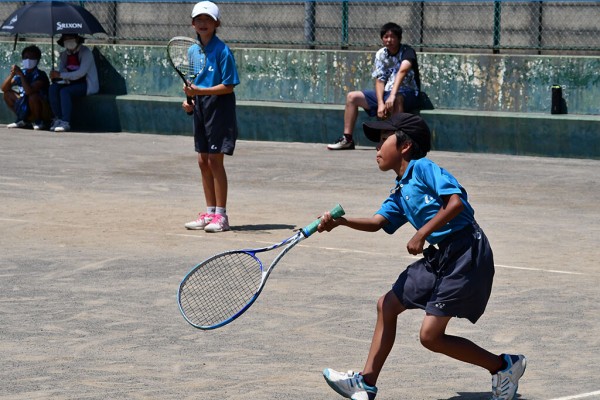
{"x":452,"y":81}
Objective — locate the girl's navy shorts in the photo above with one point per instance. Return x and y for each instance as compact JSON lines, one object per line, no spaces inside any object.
{"x":215,"y":124}
{"x":453,"y":279}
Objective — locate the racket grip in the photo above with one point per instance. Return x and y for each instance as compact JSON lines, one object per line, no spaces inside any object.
{"x":189,"y":101}
{"x":311,"y":228}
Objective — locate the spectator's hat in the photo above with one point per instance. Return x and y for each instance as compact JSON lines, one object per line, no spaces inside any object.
{"x":206,"y":7}
{"x":412,"y":125}
{"x":61,"y":39}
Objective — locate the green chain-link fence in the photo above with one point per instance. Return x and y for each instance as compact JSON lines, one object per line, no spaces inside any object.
{"x":545,"y":27}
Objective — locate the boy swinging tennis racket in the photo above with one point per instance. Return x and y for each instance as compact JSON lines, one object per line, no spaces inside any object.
{"x":454,"y":277}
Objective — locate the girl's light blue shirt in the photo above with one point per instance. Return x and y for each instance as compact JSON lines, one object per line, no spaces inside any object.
{"x":417,"y":197}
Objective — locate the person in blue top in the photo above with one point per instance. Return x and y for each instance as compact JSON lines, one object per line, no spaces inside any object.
{"x":25,"y":91}
{"x":215,"y":123}
{"x":452,"y":279}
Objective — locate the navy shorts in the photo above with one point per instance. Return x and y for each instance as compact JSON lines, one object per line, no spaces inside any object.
{"x":215,"y":124}
{"x":453,"y":280}
{"x":411,"y":101}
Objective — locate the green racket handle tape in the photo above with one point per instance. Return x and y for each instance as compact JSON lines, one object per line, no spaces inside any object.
{"x":335,"y":212}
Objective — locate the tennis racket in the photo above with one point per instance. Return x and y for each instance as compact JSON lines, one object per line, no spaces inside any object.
{"x":187,"y":58}
{"x":224,"y":286}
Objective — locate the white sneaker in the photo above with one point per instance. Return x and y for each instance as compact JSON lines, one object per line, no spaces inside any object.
{"x":342,"y":144}
{"x":351,"y":385}
{"x":39,"y":126}
{"x":18,"y":124}
{"x":505,"y":383}
{"x":63,"y":126}
{"x":200,"y":222}
{"x":219,"y":223}
{"x":55,"y":122}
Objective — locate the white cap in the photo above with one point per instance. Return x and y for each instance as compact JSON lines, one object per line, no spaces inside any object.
{"x":206,"y":7}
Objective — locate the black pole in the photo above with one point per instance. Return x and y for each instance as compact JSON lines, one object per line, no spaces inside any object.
{"x":309,"y":23}
{"x":497,"y":17}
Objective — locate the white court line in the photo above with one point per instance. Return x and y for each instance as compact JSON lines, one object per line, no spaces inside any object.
{"x":540,"y":269}
{"x":579,"y":396}
{"x":554,"y":271}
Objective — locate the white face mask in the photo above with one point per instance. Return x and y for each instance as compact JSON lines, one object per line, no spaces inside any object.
{"x":70,"y":44}
{"x":28,"y":64}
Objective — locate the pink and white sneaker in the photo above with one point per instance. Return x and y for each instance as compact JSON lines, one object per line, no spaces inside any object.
{"x":219,"y":223}
{"x":201,"y":222}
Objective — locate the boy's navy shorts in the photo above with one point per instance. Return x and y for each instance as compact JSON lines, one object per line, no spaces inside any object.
{"x":215,"y":124}
{"x":453,"y":280}
{"x":411,"y":101}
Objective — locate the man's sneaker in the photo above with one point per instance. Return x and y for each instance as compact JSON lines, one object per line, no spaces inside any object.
{"x":506,"y":382}
{"x":200,"y":222}
{"x":219,"y":223}
{"x":350,"y":385}
{"x":62,"y":126}
{"x":342,"y":144}
{"x":55,"y":122}
{"x":39,"y":125}
{"x":18,"y":124}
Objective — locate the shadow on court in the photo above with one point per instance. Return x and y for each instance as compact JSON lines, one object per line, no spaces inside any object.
{"x":477,"y":396}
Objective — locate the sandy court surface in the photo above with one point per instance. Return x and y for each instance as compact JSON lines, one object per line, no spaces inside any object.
{"x":93,"y":248}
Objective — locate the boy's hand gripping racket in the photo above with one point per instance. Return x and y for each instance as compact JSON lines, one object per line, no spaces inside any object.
{"x":224,"y":286}
{"x":187,"y":58}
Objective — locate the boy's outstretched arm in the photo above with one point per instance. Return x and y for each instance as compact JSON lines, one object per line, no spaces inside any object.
{"x":372,"y":224}
{"x":451,"y":208}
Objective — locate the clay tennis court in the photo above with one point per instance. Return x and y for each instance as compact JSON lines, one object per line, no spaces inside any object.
{"x":93,"y":249}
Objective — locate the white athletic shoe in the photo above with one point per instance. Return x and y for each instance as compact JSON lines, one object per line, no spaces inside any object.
{"x":200,"y":222}
{"x":18,"y":124}
{"x":350,"y":385}
{"x":219,"y":223}
{"x":342,"y":144}
{"x":63,"y":126}
{"x":505,"y":383}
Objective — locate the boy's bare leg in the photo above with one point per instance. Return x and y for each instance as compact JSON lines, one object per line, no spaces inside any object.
{"x":388,"y":309}
{"x":399,"y":104}
{"x":433,"y":336}
{"x":10,"y":97}
{"x":354,"y":100}
{"x":36,"y":107}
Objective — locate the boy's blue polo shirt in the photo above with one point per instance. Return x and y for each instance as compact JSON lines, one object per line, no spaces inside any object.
{"x":220,"y":65}
{"x":417,"y":198}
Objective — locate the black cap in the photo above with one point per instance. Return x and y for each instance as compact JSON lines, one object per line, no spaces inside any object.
{"x":412,"y":125}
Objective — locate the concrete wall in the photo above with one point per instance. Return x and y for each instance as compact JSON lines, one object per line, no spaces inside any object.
{"x":452,"y":81}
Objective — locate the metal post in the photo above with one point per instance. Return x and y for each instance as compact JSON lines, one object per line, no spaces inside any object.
{"x":421,"y":24}
{"x":497,"y":16}
{"x":345,"y":24}
{"x":309,"y":23}
{"x":540,"y":26}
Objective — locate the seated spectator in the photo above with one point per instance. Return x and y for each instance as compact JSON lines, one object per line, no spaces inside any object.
{"x":76,"y":77}
{"x":397,"y":85}
{"x":26,"y":91}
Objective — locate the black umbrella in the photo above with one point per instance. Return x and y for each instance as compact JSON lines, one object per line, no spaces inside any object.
{"x":51,"y":18}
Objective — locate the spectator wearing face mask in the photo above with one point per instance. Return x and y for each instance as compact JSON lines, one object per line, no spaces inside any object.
{"x":76,"y":77}
{"x":25,"y":91}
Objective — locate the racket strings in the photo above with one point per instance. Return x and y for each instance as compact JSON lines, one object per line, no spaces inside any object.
{"x":187,"y":57}
{"x":220,"y":288}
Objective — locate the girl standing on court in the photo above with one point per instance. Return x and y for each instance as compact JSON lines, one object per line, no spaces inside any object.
{"x":215,"y":124}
